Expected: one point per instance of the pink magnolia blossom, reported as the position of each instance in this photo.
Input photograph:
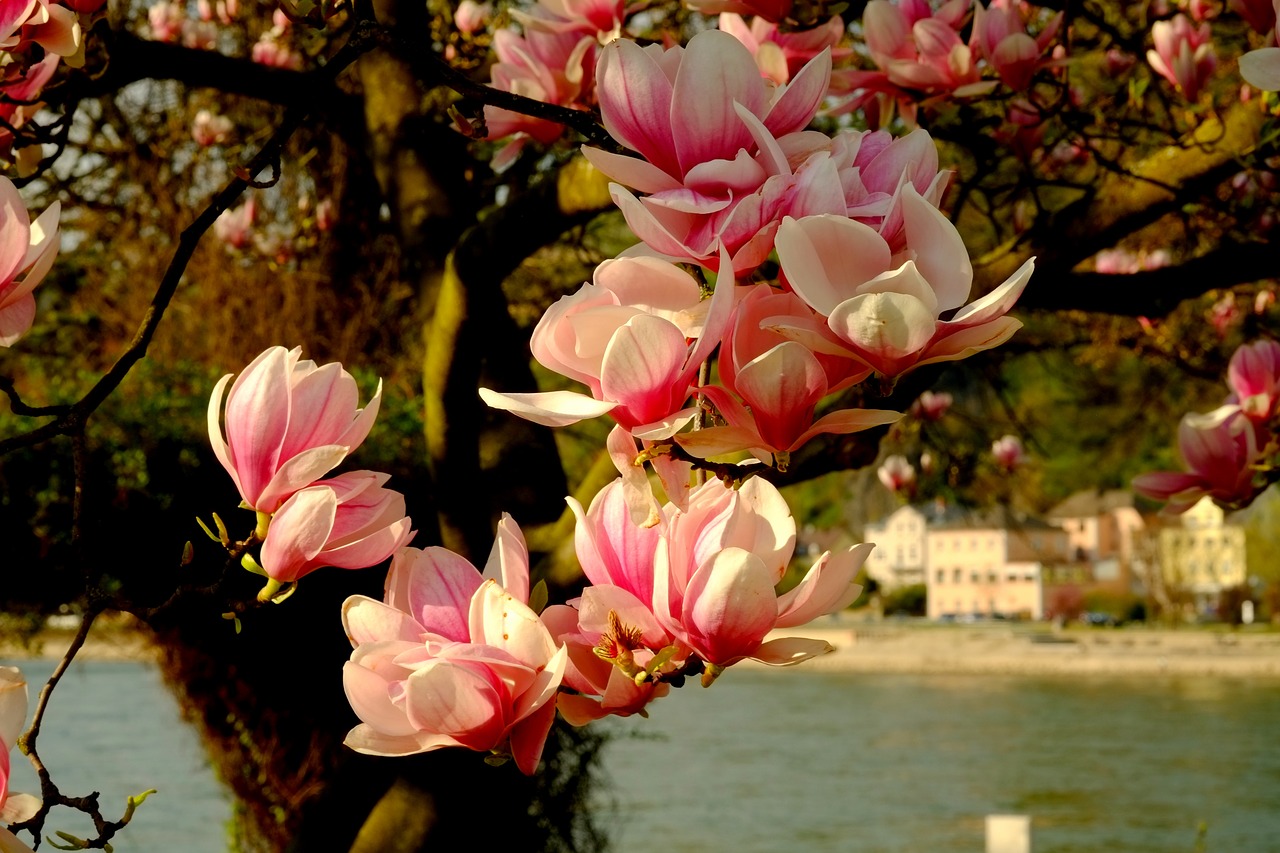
(607, 636)
(545, 65)
(885, 307)
(350, 522)
(288, 423)
(611, 632)
(14, 808)
(780, 55)
(1224, 314)
(209, 129)
(1254, 377)
(716, 569)
(782, 382)
(931, 406)
(52, 26)
(166, 19)
(271, 50)
(1000, 37)
(708, 127)
(599, 19)
(234, 225)
(1183, 54)
(27, 252)
(1008, 452)
(471, 17)
(626, 337)
(920, 49)
(897, 475)
(873, 170)
(1220, 449)
(452, 658)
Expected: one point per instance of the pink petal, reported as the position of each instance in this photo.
(509, 559)
(635, 103)
(729, 606)
(715, 72)
(788, 651)
(549, 408)
(826, 257)
(367, 692)
(641, 175)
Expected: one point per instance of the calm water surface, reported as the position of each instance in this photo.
(113, 727)
(796, 761)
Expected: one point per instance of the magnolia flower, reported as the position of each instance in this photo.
(27, 251)
(599, 19)
(782, 382)
(716, 568)
(1220, 449)
(234, 225)
(708, 127)
(780, 55)
(452, 657)
(897, 475)
(288, 423)
(470, 16)
(1254, 377)
(350, 522)
(209, 129)
(1183, 54)
(930, 406)
(626, 337)
(1008, 452)
(166, 19)
(1000, 37)
(921, 49)
(886, 308)
(552, 67)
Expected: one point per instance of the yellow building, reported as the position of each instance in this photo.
(1203, 556)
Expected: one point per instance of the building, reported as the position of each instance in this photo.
(1100, 525)
(990, 564)
(1201, 557)
(898, 558)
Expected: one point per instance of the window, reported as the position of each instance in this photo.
(940, 576)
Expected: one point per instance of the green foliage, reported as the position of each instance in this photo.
(909, 601)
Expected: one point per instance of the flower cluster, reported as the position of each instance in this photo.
(874, 277)
(288, 423)
(456, 657)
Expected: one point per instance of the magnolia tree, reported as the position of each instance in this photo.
(829, 204)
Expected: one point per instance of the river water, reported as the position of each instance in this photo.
(798, 761)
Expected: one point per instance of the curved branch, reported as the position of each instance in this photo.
(1122, 204)
(1152, 293)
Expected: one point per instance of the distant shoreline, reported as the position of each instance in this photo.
(888, 647)
(883, 647)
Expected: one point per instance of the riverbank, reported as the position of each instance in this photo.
(1014, 649)
(114, 637)
(886, 647)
